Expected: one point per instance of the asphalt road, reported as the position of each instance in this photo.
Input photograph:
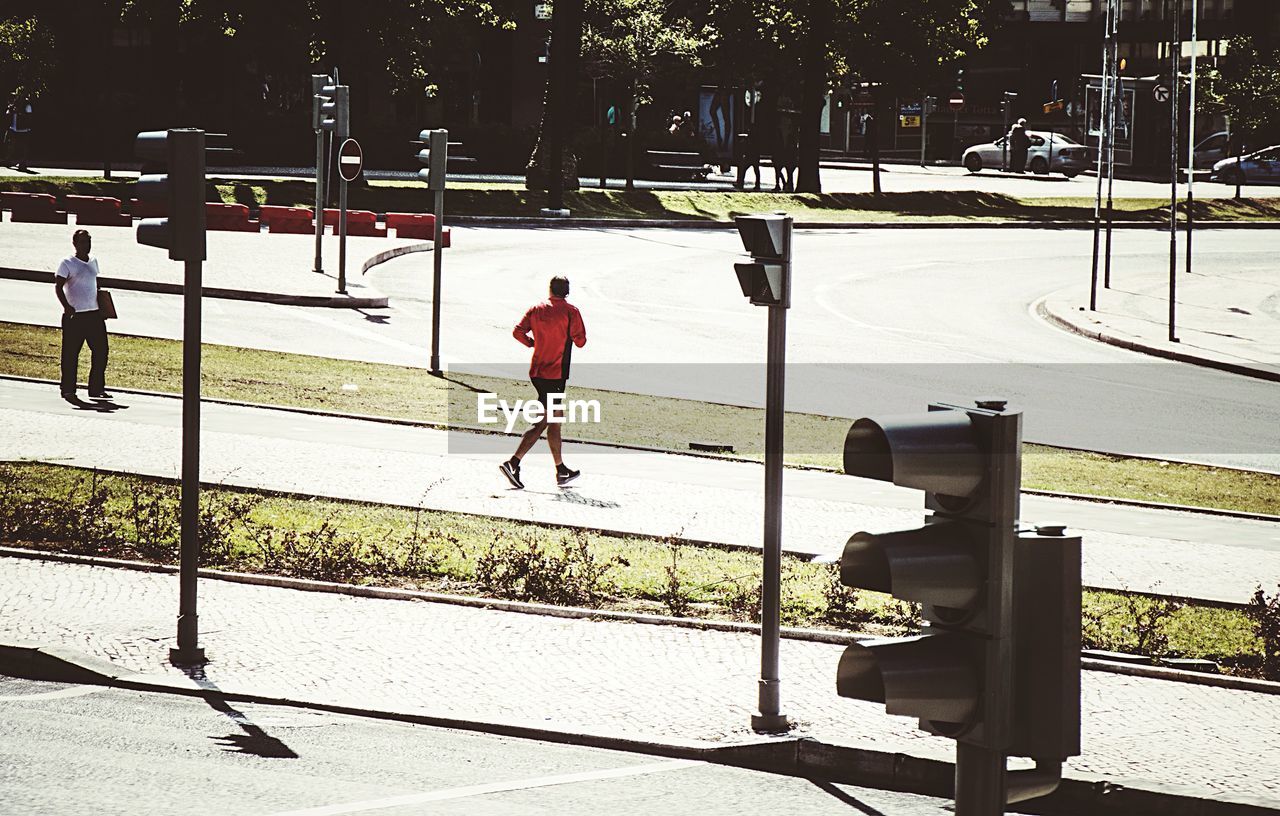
(86, 749)
(882, 321)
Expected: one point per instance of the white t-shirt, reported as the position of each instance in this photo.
(82, 283)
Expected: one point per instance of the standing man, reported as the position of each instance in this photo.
(19, 127)
(1019, 144)
(76, 285)
(557, 327)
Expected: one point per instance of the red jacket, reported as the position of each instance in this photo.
(557, 327)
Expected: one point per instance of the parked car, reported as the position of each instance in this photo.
(1211, 150)
(1069, 157)
(1259, 167)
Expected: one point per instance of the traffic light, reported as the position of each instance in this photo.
(767, 279)
(180, 192)
(1007, 100)
(959, 79)
(996, 667)
(335, 110)
(318, 98)
(434, 157)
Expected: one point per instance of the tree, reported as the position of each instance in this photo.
(26, 55)
(1246, 87)
(636, 42)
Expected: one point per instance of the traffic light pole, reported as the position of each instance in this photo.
(188, 650)
(319, 264)
(770, 716)
(438, 252)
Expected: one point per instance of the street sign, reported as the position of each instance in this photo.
(909, 121)
(1056, 105)
(350, 160)
(1161, 93)
(542, 11)
(956, 101)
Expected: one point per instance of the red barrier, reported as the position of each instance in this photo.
(93, 210)
(359, 222)
(230, 217)
(39, 208)
(148, 208)
(292, 220)
(417, 225)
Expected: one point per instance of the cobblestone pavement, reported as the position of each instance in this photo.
(591, 677)
(657, 494)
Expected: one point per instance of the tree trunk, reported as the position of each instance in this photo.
(813, 94)
(553, 132)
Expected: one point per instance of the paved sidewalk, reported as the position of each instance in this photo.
(659, 683)
(1227, 321)
(651, 493)
(253, 263)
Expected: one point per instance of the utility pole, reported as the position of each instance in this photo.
(1175, 47)
(1105, 135)
(1191, 134)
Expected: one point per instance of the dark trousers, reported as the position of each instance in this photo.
(1018, 161)
(78, 329)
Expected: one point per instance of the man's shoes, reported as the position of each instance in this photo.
(70, 397)
(564, 475)
(511, 470)
(99, 395)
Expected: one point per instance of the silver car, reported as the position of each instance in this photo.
(1260, 167)
(1069, 157)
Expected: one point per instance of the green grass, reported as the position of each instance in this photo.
(52, 507)
(473, 198)
(316, 382)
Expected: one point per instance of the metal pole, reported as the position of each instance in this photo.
(1103, 108)
(188, 649)
(438, 252)
(924, 126)
(1191, 135)
(319, 263)
(1117, 101)
(1174, 48)
(342, 235)
(770, 717)
(980, 781)
(1004, 147)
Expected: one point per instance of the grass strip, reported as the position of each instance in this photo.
(477, 198)
(62, 508)
(321, 383)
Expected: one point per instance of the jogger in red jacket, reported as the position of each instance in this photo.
(551, 328)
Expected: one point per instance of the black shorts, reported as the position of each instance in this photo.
(546, 387)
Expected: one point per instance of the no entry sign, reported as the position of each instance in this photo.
(350, 160)
(956, 101)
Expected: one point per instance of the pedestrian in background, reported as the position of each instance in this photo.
(556, 327)
(18, 130)
(76, 285)
(1019, 144)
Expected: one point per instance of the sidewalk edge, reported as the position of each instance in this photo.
(1061, 321)
(162, 288)
(792, 756)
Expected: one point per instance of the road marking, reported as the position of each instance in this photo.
(493, 787)
(74, 691)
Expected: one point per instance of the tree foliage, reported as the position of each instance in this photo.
(637, 41)
(26, 56)
(1246, 86)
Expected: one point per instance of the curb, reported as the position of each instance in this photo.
(158, 287)
(687, 223)
(580, 613)
(1042, 309)
(792, 756)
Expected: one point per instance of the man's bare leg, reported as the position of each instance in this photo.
(553, 442)
(530, 438)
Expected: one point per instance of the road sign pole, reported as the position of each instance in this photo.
(1191, 136)
(924, 127)
(319, 264)
(438, 252)
(188, 650)
(342, 237)
(980, 781)
(1175, 47)
(1117, 101)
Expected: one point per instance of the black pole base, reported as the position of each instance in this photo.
(189, 656)
(770, 723)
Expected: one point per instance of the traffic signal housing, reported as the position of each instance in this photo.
(180, 192)
(318, 97)
(766, 281)
(335, 111)
(997, 665)
(434, 158)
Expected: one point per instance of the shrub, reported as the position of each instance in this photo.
(1264, 613)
